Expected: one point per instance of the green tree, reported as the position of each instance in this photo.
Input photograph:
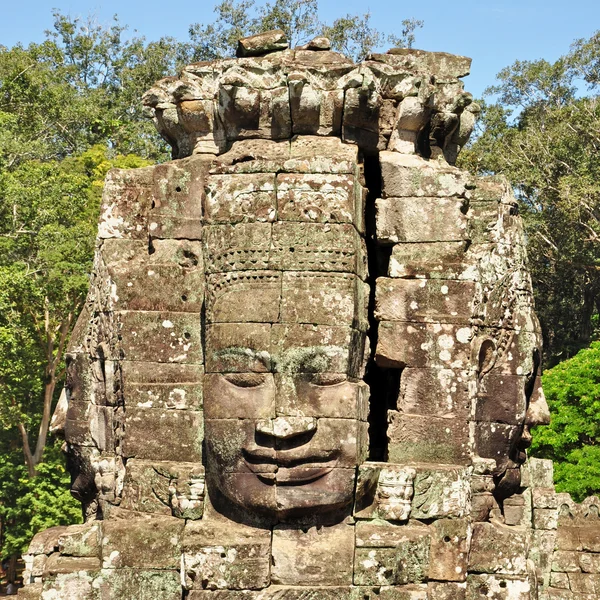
(352, 35)
(572, 440)
(543, 132)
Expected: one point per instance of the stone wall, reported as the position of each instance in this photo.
(309, 359)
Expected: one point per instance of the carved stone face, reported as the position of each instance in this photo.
(510, 398)
(285, 413)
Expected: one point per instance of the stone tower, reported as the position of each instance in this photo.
(309, 358)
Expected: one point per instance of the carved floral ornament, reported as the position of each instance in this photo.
(309, 359)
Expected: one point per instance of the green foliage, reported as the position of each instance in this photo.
(543, 133)
(29, 505)
(352, 35)
(572, 440)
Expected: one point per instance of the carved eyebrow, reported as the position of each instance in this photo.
(247, 353)
(314, 359)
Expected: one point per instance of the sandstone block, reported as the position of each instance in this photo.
(420, 438)
(175, 336)
(236, 198)
(138, 584)
(324, 299)
(147, 430)
(247, 112)
(178, 188)
(497, 587)
(241, 247)
(81, 540)
(77, 585)
(440, 492)
(495, 440)
(238, 348)
(32, 591)
(225, 555)
(162, 385)
(499, 549)
(432, 260)
(406, 176)
(314, 111)
(437, 590)
(244, 296)
(142, 543)
(46, 541)
(322, 556)
(169, 279)
(317, 247)
(418, 220)
(564, 561)
(423, 345)
(126, 201)
(388, 555)
(545, 518)
(449, 551)
(427, 300)
(59, 565)
(384, 491)
(262, 43)
(439, 392)
(361, 114)
(501, 399)
(319, 198)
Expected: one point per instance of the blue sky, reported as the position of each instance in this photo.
(494, 33)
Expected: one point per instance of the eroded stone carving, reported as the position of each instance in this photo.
(309, 359)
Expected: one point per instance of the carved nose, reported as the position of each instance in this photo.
(538, 412)
(286, 427)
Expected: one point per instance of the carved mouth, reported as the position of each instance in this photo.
(285, 469)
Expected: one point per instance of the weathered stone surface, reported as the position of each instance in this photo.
(432, 260)
(142, 543)
(224, 555)
(322, 556)
(81, 540)
(162, 385)
(46, 541)
(175, 337)
(324, 299)
(262, 43)
(387, 555)
(423, 345)
(384, 491)
(414, 438)
(427, 300)
(236, 198)
(449, 551)
(318, 198)
(171, 278)
(440, 492)
(60, 565)
(497, 587)
(126, 203)
(415, 220)
(406, 176)
(439, 392)
(488, 538)
(244, 296)
(146, 430)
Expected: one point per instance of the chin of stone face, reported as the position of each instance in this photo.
(309, 360)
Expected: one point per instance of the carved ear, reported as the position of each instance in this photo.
(487, 357)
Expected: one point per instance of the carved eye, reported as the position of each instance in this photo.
(328, 378)
(245, 380)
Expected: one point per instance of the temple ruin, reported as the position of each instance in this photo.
(309, 359)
